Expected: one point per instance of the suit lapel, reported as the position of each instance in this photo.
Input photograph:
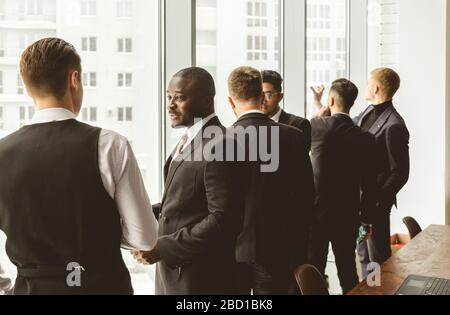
(167, 166)
(381, 121)
(190, 152)
(283, 117)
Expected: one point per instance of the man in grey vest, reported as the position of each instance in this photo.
(71, 195)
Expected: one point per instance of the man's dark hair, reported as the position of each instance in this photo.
(201, 77)
(345, 93)
(273, 78)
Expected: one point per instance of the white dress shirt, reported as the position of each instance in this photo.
(252, 111)
(276, 117)
(123, 181)
(193, 131)
(5, 283)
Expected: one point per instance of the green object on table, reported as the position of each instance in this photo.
(364, 231)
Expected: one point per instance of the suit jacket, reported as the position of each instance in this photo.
(199, 223)
(299, 123)
(278, 205)
(344, 173)
(392, 154)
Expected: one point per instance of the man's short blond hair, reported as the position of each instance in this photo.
(245, 83)
(388, 79)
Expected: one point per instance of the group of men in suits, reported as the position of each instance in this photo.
(224, 225)
(292, 215)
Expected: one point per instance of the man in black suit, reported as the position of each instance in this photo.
(392, 159)
(199, 217)
(278, 201)
(273, 92)
(345, 183)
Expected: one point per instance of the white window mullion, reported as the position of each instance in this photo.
(294, 63)
(358, 53)
(179, 43)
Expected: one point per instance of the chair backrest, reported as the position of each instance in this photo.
(413, 227)
(310, 281)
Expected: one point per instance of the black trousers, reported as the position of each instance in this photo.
(343, 241)
(257, 279)
(378, 248)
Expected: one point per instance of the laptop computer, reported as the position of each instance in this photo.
(420, 285)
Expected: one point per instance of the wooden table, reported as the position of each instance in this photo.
(428, 254)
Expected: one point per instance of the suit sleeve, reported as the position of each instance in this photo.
(368, 180)
(305, 199)
(305, 126)
(222, 221)
(397, 144)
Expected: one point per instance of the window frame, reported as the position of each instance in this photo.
(2, 117)
(89, 45)
(123, 4)
(88, 3)
(87, 78)
(87, 112)
(125, 114)
(2, 82)
(122, 45)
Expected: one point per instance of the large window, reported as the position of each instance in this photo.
(118, 42)
(250, 37)
(100, 70)
(326, 44)
(383, 34)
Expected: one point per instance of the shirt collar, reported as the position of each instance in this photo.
(253, 111)
(192, 132)
(382, 107)
(345, 114)
(276, 117)
(51, 114)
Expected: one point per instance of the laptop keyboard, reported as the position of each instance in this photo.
(437, 287)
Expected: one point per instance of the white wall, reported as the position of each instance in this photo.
(422, 100)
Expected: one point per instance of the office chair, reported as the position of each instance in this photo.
(310, 281)
(413, 227)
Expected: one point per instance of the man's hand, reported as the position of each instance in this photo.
(324, 112)
(318, 94)
(147, 257)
